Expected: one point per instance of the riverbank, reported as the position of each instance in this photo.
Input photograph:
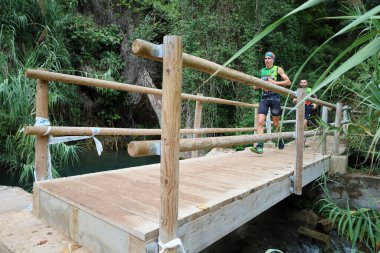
(22, 232)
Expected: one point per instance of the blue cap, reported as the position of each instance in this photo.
(270, 54)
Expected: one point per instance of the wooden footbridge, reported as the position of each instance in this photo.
(175, 205)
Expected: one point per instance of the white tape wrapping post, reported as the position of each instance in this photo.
(171, 245)
(43, 122)
(55, 140)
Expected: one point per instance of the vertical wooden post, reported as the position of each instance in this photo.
(197, 122)
(171, 118)
(41, 145)
(338, 123)
(325, 118)
(300, 117)
(268, 124)
(256, 119)
(346, 114)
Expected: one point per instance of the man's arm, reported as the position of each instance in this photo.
(285, 79)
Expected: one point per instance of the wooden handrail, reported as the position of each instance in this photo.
(93, 82)
(87, 131)
(146, 49)
(148, 148)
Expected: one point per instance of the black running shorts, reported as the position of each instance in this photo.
(273, 102)
(308, 111)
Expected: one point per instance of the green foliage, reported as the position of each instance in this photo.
(90, 42)
(149, 29)
(370, 170)
(360, 226)
(29, 38)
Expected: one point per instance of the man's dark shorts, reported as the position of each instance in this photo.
(308, 111)
(273, 102)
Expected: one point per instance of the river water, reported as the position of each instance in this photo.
(90, 162)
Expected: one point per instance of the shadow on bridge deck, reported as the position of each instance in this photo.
(117, 211)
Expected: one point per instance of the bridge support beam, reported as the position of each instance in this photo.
(338, 164)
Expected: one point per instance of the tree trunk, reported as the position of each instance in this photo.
(145, 80)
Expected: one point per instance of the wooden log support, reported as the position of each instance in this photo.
(327, 225)
(84, 131)
(325, 116)
(146, 49)
(338, 123)
(92, 82)
(313, 234)
(148, 148)
(171, 119)
(300, 117)
(346, 114)
(197, 122)
(256, 118)
(41, 146)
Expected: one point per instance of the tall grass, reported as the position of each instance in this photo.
(361, 226)
(29, 38)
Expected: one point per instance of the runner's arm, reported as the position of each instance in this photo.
(285, 79)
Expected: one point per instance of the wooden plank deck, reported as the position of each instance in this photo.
(217, 194)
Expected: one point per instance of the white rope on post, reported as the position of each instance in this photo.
(55, 140)
(40, 121)
(95, 131)
(171, 245)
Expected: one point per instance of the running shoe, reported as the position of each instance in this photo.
(257, 150)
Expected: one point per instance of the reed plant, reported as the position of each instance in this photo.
(360, 226)
(29, 38)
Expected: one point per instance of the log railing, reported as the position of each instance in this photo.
(86, 131)
(85, 81)
(170, 53)
(148, 50)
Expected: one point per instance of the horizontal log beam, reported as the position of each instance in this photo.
(146, 50)
(291, 121)
(86, 131)
(93, 82)
(148, 148)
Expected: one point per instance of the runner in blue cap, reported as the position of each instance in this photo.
(270, 99)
